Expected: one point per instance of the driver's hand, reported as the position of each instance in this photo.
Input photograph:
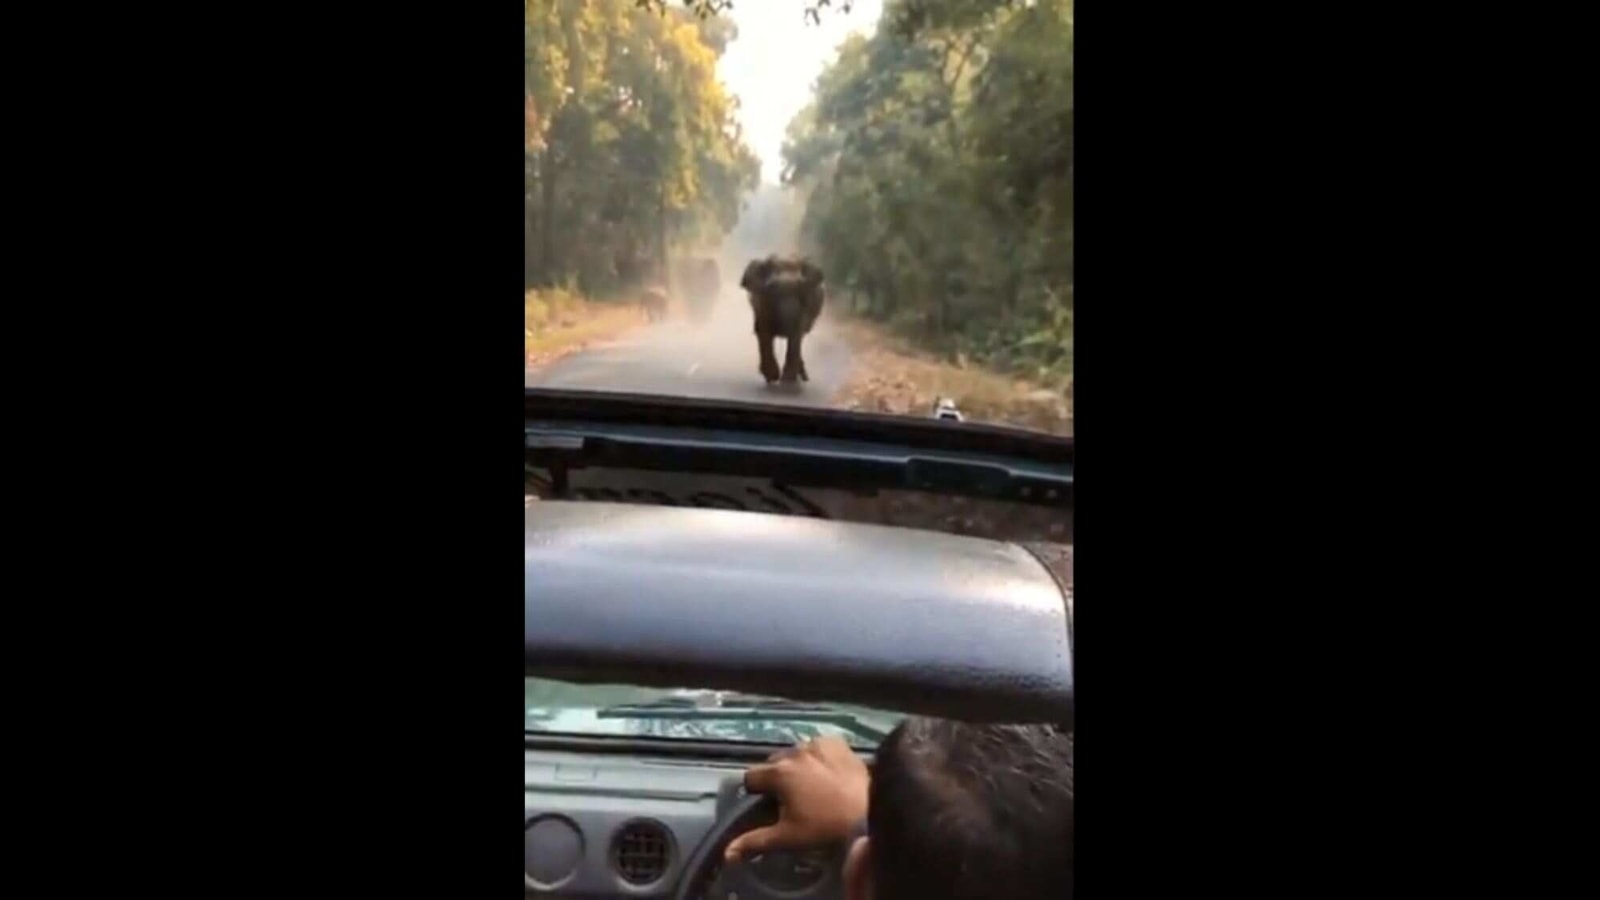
(821, 788)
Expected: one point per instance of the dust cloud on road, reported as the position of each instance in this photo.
(717, 359)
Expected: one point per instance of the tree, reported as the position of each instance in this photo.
(936, 160)
(631, 142)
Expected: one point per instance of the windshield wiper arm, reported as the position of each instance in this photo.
(753, 701)
(658, 704)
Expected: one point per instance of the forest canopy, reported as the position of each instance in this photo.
(632, 146)
(936, 167)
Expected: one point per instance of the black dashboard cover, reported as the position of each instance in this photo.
(550, 406)
(803, 608)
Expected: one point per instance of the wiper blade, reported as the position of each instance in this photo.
(753, 701)
(662, 703)
(1037, 473)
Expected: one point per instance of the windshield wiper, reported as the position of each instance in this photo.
(661, 703)
(737, 708)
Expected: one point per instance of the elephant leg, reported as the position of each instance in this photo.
(793, 365)
(769, 360)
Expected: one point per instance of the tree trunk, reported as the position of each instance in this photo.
(661, 236)
(547, 213)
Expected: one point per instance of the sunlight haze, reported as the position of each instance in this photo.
(777, 56)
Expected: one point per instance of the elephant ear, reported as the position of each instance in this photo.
(756, 274)
(812, 273)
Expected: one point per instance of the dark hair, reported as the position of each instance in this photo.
(972, 812)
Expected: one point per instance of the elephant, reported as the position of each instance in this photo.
(786, 297)
(702, 281)
(653, 301)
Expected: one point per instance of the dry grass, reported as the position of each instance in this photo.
(558, 322)
(890, 376)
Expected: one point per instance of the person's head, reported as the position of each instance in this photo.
(967, 811)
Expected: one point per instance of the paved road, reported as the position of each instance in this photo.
(716, 360)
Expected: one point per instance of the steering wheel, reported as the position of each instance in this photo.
(747, 812)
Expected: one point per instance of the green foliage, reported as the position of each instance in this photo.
(936, 161)
(631, 143)
(548, 307)
(706, 9)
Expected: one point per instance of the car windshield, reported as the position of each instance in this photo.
(858, 204)
(614, 710)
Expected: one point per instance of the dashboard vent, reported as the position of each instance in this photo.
(640, 852)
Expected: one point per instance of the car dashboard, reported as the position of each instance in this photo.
(623, 826)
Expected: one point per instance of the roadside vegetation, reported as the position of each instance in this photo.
(557, 322)
(890, 374)
(934, 168)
